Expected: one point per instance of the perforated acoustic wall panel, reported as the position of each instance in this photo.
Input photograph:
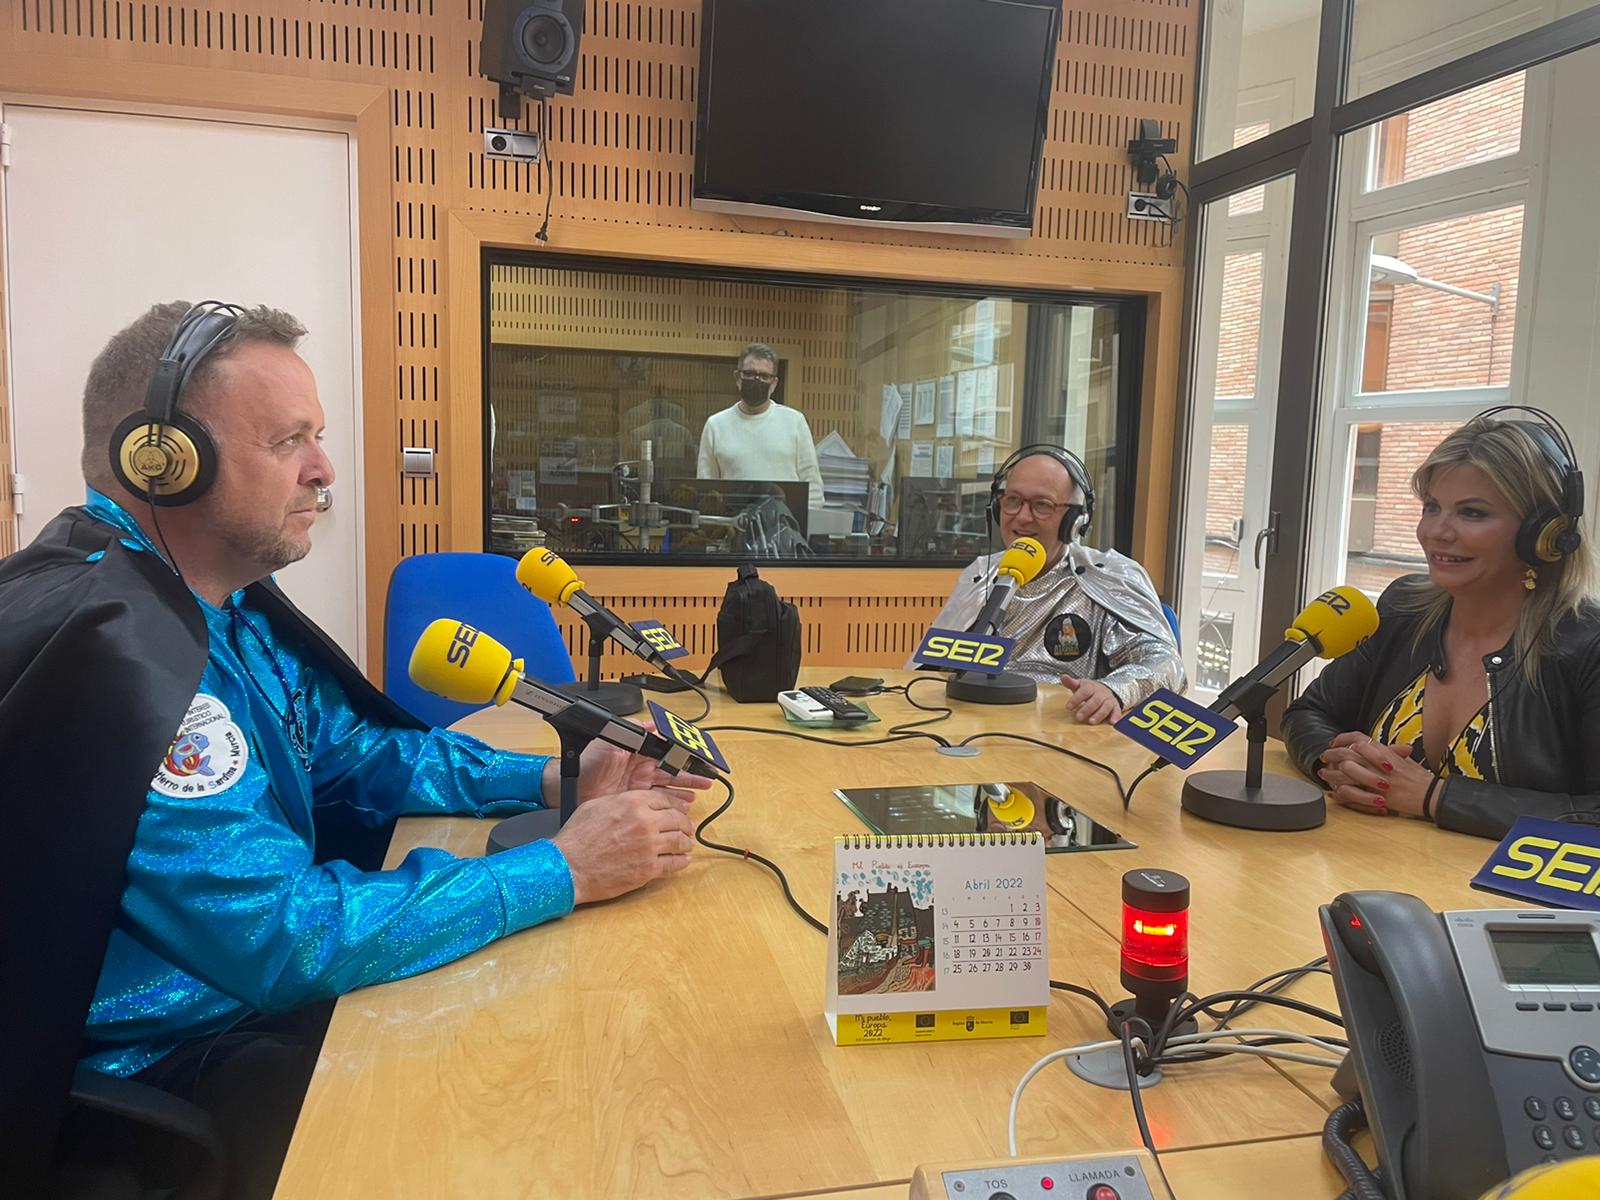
(622, 149)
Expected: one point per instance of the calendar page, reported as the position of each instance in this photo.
(938, 936)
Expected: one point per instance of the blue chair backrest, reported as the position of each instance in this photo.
(482, 590)
(1172, 619)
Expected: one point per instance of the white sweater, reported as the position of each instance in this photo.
(774, 444)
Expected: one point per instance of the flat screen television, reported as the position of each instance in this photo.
(922, 114)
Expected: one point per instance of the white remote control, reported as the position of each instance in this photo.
(802, 707)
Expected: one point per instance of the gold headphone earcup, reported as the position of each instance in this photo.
(1547, 546)
(169, 466)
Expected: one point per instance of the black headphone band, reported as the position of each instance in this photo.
(1555, 443)
(1074, 465)
(203, 328)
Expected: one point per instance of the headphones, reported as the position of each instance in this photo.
(161, 453)
(1075, 520)
(1549, 534)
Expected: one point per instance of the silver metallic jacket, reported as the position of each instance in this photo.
(1094, 615)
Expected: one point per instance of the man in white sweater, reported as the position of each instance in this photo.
(757, 439)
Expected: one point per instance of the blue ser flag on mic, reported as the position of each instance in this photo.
(1553, 863)
(1178, 729)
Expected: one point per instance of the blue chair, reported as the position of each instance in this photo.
(1172, 619)
(482, 590)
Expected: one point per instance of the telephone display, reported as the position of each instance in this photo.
(1546, 957)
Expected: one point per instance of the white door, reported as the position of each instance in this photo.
(108, 213)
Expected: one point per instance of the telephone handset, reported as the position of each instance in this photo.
(1473, 1037)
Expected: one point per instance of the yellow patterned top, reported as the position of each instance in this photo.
(1471, 754)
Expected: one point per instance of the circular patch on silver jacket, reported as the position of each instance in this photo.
(1067, 637)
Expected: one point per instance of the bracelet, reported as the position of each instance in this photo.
(1427, 798)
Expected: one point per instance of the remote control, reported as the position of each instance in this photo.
(802, 707)
(841, 708)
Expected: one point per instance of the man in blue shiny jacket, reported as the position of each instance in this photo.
(243, 728)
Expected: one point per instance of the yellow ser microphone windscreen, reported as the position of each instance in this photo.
(548, 576)
(1022, 560)
(460, 663)
(1340, 619)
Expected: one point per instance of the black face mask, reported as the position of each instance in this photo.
(753, 392)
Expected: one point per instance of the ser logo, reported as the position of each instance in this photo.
(688, 735)
(1553, 863)
(461, 643)
(1339, 604)
(963, 651)
(660, 639)
(1177, 729)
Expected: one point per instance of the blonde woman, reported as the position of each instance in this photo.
(1478, 699)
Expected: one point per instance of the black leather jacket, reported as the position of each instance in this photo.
(1546, 739)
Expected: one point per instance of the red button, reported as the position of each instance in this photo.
(1103, 1191)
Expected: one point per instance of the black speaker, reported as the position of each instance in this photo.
(531, 47)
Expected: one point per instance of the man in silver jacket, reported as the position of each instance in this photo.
(1090, 618)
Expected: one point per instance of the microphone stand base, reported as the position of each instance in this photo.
(619, 699)
(977, 688)
(1280, 803)
(523, 828)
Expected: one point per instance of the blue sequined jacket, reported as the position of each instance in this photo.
(226, 912)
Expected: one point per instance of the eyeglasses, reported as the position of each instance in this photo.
(1043, 509)
(757, 376)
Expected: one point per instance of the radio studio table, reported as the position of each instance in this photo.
(671, 1043)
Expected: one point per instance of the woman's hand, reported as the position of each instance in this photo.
(1374, 777)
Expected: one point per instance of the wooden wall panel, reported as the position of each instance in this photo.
(622, 155)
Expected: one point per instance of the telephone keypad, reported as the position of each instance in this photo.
(1534, 1107)
(1543, 1138)
(1573, 1136)
(1591, 1105)
(1565, 1109)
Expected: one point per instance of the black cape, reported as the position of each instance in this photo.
(99, 661)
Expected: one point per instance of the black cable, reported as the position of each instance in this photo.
(1204, 1005)
(1284, 979)
(172, 559)
(1126, 1034)
(1083, 991)
(944, 712)
(699, 836)
(1127, 797)
(822, 741)
(549, 167)
(1084, 758)
(1342, 1124)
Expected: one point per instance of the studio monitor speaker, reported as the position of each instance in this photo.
(531, 46)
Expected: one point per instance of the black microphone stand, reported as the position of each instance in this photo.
(545, 822)
(619, 699)
(1251, 799)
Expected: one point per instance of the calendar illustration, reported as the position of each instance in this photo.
(936, 937)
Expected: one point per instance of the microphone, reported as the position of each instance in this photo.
(454, 660)
(1335, 623)
(1022, 560)
(547, 575)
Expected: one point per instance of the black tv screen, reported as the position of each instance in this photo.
(924, 113)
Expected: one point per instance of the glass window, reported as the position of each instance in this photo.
(628, 415)
(1391, 42)
(1442, 303)
(1381, 512)
(1260, 70)
(1475, 126)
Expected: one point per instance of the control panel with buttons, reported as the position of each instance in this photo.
(1130, 1176)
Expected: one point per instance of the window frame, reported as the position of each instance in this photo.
(1131, 310)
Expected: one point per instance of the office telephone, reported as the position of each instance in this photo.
(1474, 1038)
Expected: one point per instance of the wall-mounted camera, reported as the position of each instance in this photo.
(1148, 154)
(512, 144)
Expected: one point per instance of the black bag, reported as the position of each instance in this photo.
(758, 640)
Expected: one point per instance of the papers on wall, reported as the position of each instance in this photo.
(983, 332)
(944, 461)
(905, 411)
(966, 397)
(890, 421)
(985, 402)
(524, 488)
(922, 459)
(559, 462)
(924, 406)
(986, 459)
(945, 425)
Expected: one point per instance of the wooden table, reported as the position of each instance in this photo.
(671, 1043)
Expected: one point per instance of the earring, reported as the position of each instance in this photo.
(1530, 579)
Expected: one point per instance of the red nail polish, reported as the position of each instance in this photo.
(1388, 766)
(1384, 784)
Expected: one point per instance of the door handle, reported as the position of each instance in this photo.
(1269, 535)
